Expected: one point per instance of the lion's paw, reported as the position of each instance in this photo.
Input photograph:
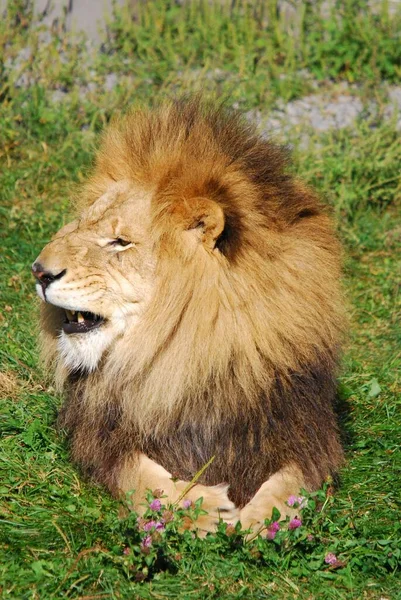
(254, 514)
(273, 493)
(217, 505)
(253, 519)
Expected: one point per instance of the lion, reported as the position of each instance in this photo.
(193, 310)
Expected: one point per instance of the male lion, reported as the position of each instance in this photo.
(193, 310)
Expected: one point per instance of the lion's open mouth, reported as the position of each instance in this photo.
(80, 321)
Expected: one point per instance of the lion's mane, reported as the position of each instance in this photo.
(237, 354)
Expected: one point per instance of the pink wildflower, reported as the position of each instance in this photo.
(187, 503)
(155, 504)
(153, 525)
(272, 530)
(167, 516)
(146, 543)
(127, 551)
(294, 523)
(299, 500)
(330, 559)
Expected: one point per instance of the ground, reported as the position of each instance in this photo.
(331, 91)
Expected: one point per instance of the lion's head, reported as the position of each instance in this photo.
(98, 274)
(198, 277)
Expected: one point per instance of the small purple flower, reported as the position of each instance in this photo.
(187, 503)
(330, 559)
(300, 500)
(153, 525)
(272, 530)
(149, 526)
(294, 523)
(155, 504)
(146, 542)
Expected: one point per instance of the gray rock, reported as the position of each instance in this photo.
(23, 81)
(320, 112)
(111, 81)
(58, 96)
(394, 95)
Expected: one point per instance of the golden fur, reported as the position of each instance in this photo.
(234, 350)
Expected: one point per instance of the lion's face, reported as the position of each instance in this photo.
(97, 273)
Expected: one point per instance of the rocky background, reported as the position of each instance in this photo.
(329, 105)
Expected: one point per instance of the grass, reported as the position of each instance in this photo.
(62, 537)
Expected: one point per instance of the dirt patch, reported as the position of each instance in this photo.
(10, 385)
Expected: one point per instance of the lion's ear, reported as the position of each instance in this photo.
(204, 219)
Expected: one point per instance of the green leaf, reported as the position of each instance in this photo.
(275, 514)
(374, 388)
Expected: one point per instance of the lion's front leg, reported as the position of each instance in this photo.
(141, 474)
(274, 492)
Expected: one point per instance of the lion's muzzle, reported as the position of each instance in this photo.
(76, 321)
(45, 278)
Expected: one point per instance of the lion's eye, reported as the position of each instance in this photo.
(120, 242)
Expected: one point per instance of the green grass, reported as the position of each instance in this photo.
(62, 537)
(250, 50)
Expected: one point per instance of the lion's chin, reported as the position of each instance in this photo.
(83, 351)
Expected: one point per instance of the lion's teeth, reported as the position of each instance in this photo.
(80, 318)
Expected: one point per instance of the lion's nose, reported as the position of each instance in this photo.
(44, 277)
